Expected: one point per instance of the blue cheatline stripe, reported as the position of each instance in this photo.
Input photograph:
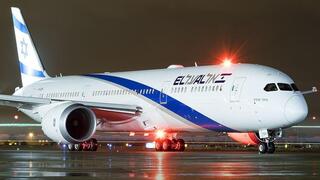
(173, 105)
(31, 72)
(22, 27)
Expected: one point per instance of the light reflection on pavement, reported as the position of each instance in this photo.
(158, 165)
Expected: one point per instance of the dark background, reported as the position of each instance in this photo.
(78, 37)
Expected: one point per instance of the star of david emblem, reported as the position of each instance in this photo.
(24, 48)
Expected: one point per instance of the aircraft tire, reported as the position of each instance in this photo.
(180, 145)
(158, 145)
(166, 145)
(271, 148)
(263, 148)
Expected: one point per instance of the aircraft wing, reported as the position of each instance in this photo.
(20, 101)
(29, 102)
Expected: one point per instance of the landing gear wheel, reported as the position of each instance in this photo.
(158, 145)
(180, 145)
(70, 147)
(78, 147)
(263, 148)
(85, 145)
(166, 145)
(93, 144)
(271, 148)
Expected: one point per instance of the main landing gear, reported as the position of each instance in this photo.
(267, 138)
(169, 145)
(90, 145)
(168, 142)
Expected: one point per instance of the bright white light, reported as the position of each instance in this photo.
(314, 118)
(227, 62)
(150, 145)
(132, 134)
(31, 135)
(160, 134)
(16, 117)
(128, 145)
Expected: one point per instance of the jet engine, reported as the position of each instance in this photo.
(69, 123)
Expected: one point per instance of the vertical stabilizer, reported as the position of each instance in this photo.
(31, 68)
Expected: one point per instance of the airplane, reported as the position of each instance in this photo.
(247, 100)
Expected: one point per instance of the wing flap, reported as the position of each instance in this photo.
(112, 107)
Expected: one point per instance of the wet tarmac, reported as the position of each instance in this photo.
(158, 165)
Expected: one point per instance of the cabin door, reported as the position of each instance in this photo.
(164, 92)
(236, 89)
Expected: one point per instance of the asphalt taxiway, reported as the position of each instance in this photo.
(157, 165)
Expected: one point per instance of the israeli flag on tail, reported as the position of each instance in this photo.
(31, 68)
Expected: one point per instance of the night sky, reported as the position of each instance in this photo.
(79, 37)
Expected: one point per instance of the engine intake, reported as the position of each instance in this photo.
(69, 123)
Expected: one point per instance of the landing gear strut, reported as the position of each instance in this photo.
(90, 145)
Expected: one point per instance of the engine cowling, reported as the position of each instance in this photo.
(69, 123)
(249, 138)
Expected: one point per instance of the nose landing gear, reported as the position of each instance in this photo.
(266, 148)
(267, 138)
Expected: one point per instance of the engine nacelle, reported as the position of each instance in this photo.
(69, 123)
(249, 138)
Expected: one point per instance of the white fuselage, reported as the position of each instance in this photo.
(195, 99)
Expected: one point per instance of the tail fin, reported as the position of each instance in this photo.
(31, 68)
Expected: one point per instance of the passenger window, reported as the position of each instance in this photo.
(271, 87)
(294, 87)
(284, 87)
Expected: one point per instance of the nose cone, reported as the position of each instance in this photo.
(296, 109)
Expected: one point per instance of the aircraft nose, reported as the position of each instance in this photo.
(296, 109)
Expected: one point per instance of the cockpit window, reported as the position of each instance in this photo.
(284, 87)
(294, 87)
(271, 87)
